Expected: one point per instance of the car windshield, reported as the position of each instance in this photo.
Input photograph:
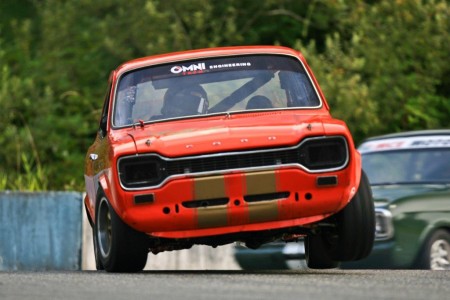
(211, 86)
(407, 166)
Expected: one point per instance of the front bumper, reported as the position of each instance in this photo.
(239, 202)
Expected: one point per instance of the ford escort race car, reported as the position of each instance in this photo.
(221, 145)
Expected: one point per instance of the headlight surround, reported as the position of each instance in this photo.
(323, 153)
(135, 172)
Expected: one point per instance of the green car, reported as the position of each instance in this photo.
(410, 178)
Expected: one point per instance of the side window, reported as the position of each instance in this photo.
(104, 117)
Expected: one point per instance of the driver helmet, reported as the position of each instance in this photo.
(185, 101)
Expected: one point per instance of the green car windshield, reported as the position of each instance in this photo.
(407, 166)
(213, 86)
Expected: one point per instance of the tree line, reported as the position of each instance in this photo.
(384, 65)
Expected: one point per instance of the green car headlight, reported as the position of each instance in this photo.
(384, 228)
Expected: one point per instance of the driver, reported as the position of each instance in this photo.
(185, 101)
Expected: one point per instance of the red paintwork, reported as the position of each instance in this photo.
(262, 129)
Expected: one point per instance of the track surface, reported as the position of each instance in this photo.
(216, 285)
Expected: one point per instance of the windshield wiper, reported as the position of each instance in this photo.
(140, 123)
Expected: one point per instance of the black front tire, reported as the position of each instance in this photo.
(98, 263)
(118, 247)
(353, 234)
(317, 253)
(356, 225)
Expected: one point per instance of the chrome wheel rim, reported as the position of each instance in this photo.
(104, 228)
(440, 255)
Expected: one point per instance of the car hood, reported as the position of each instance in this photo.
(227, 133)
(400, 194)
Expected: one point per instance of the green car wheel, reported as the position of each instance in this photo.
(436, 252)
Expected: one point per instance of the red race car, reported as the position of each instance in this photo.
(221, 145)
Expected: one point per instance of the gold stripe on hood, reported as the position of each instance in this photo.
(261, 183)
(258, 184)
(211, 188)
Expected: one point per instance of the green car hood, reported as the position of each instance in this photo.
(412, 197)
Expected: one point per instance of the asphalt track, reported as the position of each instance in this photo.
(293, 284)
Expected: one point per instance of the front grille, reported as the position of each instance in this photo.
(312, 154)
(230, 162)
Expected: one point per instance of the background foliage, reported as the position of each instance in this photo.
(383, 65)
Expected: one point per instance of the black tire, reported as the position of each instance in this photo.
(118, 247)
(435, 254)
(98, 263)
(356, 225)
(317, 254)
(352, 237)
